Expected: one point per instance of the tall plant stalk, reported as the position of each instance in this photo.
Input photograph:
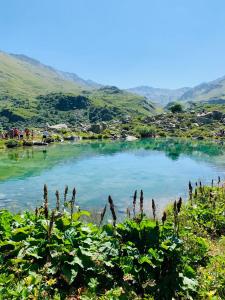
(112, 208)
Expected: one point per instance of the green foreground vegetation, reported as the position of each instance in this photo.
(61, 254)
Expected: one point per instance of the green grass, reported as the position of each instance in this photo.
(24, 80)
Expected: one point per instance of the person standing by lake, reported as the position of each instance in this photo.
(21, 135)
(32, 134)
(27, 133)
(45, 135)
(15, 133)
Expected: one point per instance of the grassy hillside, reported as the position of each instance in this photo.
(29, 92)
(19, 78)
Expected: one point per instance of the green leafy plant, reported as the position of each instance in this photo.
(58, 254)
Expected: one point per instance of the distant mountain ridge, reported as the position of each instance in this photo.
(213, 91)
(206, 91)
(159, 95)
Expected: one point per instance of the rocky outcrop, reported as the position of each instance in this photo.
(98, 128)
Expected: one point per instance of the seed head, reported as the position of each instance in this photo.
(46, 201)
(141, 201)
(134, 201)
(153, 209)
(57, 200)
(103, 214)
(164, 217)
(65, 193)
(179, 203)
(112, 209)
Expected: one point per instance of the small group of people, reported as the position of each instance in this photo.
(16, 133)
(25, 134)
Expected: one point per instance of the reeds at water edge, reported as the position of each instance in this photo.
(153, 209)
(36, 214)
(73, 202)
(57, 200)
(176, 210)
(198, 190)
(112, 208)
(142, 203)
(134, 202)
(190, 191)
(102, 215)
(179, 204)
(46, 201)
(219, 180)
(65, 194)
(164, 217)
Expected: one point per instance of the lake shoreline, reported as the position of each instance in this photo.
(99, 168)
(12, 143)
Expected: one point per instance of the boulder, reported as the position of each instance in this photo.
(104, 125)
(204, 118)
(71, 138)
(12, 144)
(217, 115)
(28, 143)
(40, 143)
(57, 126)
(96, 128)
(131, 138)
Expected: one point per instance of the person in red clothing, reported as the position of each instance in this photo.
(27, 133)
(16, 132)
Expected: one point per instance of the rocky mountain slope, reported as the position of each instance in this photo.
(158, 95)
(207, 91)
(211, 92)
(32, 93)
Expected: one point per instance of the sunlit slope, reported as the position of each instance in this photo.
(19, 78)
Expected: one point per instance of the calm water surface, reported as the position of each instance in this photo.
(162, 168)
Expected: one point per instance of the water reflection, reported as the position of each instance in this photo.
(37, 159)
(162, 168)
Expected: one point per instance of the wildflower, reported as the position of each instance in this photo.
(153, 209)
(134, 201)
(164, 217)
(112, 210)
(103, 214)
(141, 202)
(46, 201)
(57, 200)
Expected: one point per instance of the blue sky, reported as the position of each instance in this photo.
(161, 43)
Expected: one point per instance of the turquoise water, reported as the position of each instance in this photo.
(162, 168)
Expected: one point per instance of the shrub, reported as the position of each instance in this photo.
(145, 131)
(176, 108)
(12, 143)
